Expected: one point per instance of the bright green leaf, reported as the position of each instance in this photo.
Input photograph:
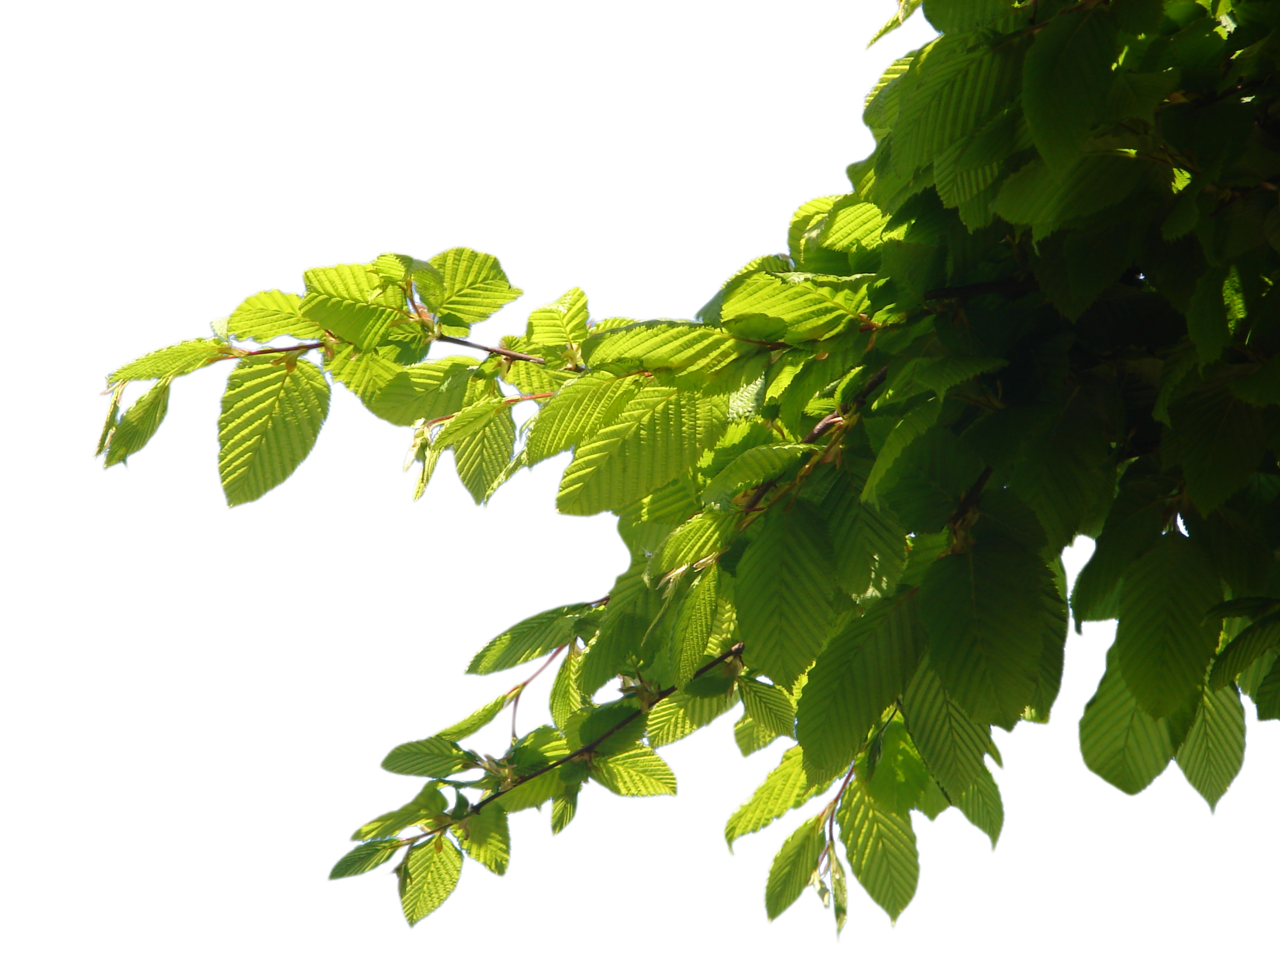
(433, 757)
(428, 877)
(793, 867)
(272, 412)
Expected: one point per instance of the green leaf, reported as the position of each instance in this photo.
(483, 455)
(884, 98)
(474, 287)
(351, 301)
(1267, 697)
(533, 754)
(430, 457)
(427, 806)
(785, 788)
(693, 627)
(628, 620)
(948, 94)
(428, 877)
(606, 730)
(900, 778)
(663, 346)
(806, 223)
(1213, 751)
(852, 224)
(579, 410)
(982, 613)
(561, 322)
(174, 361)
(769, 706)
(433, 757)
(785, 594)
(1045, 199)
(270, 314)
(793, 867)
(864, 669)
(904, 432)
(752, 467)
(905, 9)
(1066, 78)
(364, 373)
(680, 715)
(937, 374)
(1163, 645)
(138, 425)
(710, 311)
(1262, 386)
(1249, 607)
(954, 16)
(486, 838)
(981, 804)
(271, 415)
(477, 721)
(1066, 476)
(951, 744)
(869, 546)
(1120, 741)
(806, 308)
(1247, 646)
(566, 693)
(563, 810)
(366, 857)
(882, 850)
(1208, 323)
(696, 541)
(637, 772)
(1221, 440)
(529, 638)
(658, 435)
(112, 421)
(1130, 529)
(427, 391)
(927, 481)
(750, 736)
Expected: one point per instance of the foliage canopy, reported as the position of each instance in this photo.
(1047, 308)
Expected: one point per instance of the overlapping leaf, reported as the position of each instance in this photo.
(1163, 644)
(785, 594)
(864, 669)
(659, 434)
(882, 850)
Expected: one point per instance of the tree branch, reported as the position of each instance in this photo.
(735, 650)
(822, 426)
(971, 496)
(499, 351)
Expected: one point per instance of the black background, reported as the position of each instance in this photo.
(274, 653)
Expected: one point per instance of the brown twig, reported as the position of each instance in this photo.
(734, 651)
(499, 351)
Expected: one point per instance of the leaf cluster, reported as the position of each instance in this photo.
(1047, 308)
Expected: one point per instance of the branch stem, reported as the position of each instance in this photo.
(498, 351)
(518, 689)
(735, 650)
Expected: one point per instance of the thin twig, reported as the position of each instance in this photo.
(499, 351)
(735, 650)
(519, 688)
